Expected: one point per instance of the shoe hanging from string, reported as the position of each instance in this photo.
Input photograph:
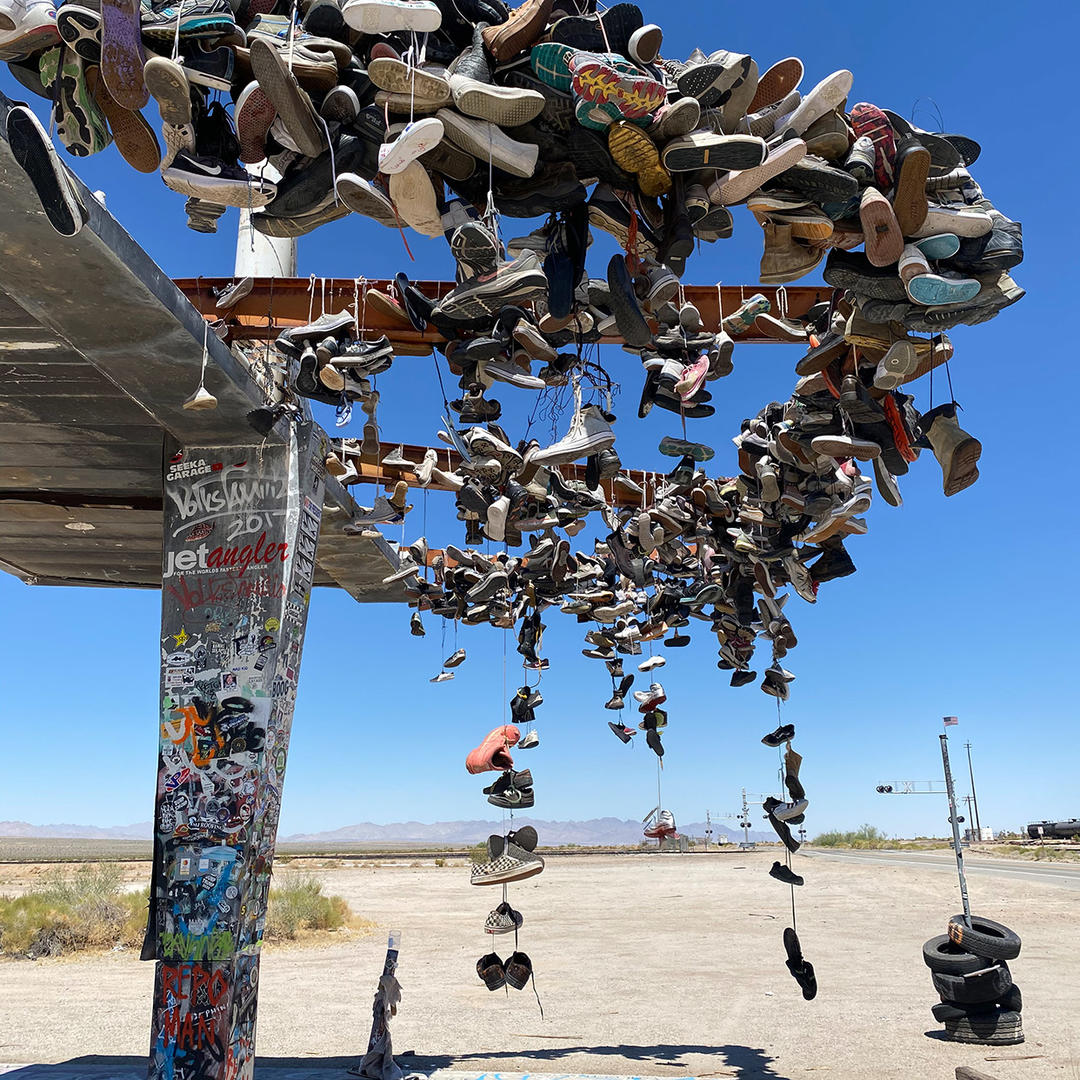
(202, 399)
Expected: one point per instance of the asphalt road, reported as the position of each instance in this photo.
(1066, 874)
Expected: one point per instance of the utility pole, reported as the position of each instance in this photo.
(954, 818)
(974, 797)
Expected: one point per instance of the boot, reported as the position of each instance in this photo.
(792, 761)
(957, 451)
(784, 259)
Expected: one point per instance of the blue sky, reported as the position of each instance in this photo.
(960, 606)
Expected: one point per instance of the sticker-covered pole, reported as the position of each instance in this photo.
(241, 527)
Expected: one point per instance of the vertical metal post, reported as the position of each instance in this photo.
(241, 527)
(955, 825)
(974, 797)
(262, 256)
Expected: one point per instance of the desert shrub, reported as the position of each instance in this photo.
(73, 912)
(866, 837)
(301, 904)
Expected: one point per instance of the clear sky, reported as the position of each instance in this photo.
(960, 606)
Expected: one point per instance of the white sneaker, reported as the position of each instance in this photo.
(416, 138)
(651, 663)
(384, 16)
(589, 434)
(26, 27)
(487, 142)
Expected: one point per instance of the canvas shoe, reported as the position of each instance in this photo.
(506, 862)
(869, 120)
(707, 150)
(884, 240)
(733, 187)
(34, 152)
(778, 81)
(506, 106)
(413, 194)
(823, 98)
(487, 142)
(503, 920)
(387, 16)
(416, 138)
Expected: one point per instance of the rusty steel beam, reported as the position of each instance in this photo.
(274, 304)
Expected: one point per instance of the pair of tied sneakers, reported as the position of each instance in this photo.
(497, 973)
(510, 858)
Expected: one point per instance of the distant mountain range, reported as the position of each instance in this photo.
(592, 833)
(597, 832)
(142, 830)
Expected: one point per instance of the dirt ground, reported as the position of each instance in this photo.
(649, 965)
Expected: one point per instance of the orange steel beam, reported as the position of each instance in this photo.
(274, 304)
(372, 471)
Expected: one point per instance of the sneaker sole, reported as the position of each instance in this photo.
(635, 96)
(884, 242)
(712, 84)
(504, 109)
(729, 153)
(744, 184)
(81, 30)
(122, 56)
(168, 86)
(293, 105)
(397, 78)
(36, 156)
(884, 287)
(253, 116)
(634, 151)
(218, 189)
(375, 19)
(617, 229)
(775, 85)
(909, 199)
(30, 43)
(931, 290)
(134, 137)
(519, 159)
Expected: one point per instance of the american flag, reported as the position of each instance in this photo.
(950, 721)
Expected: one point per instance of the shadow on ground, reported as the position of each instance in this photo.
(738, 1062)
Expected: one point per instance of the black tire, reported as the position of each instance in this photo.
(1010, 1001)
(943, 955)
(1003, 1028)
(985, 937)
(982, 986)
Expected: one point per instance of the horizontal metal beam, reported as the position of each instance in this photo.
(274, 304)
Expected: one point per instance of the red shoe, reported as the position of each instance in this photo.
(493, 754)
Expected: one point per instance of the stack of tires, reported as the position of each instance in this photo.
(980, 1003)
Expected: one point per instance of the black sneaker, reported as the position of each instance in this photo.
(785, 874)
(212, 68)
(744, 678)
(781, 830)
(781, 735)
(801, 969)
(36, 156)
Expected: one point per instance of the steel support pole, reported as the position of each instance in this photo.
(974, 797)
(953, 818)
(241, 526)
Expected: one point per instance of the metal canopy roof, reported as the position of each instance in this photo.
(98, 350)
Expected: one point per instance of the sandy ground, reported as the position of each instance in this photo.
(659, 965)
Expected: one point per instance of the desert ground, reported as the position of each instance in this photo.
(668, 965)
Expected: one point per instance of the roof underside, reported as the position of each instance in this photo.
(98, 349)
